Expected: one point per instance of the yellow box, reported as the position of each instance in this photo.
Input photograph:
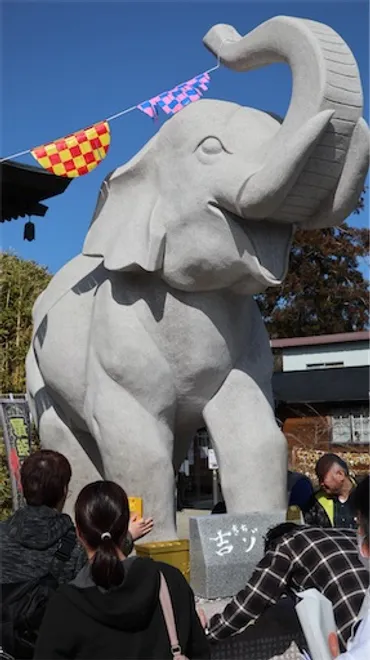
(136, 505)
(175, 553)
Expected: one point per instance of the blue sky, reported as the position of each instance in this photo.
(69, 64)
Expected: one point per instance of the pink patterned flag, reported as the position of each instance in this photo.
(177, 98)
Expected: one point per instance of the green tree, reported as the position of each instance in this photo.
(325, 291)
(21, 281)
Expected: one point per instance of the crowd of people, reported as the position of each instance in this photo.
(77, 591)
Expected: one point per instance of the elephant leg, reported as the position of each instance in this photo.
(250, 448)
(56, 435)
(137, 450)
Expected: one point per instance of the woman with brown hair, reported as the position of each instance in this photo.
(113, 609)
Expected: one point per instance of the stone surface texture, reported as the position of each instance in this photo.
(152, 332)
(225, 549)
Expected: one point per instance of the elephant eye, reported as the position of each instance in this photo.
(211, 145)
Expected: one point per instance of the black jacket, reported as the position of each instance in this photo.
(315, 515)
(319, 511)
(84, 621)
(29, 540)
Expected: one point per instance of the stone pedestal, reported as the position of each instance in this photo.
(225, 549)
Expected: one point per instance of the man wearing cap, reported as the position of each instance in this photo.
(329, 506)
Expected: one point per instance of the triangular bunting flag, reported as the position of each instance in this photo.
(75, 154)
(177, 98)
(150, 107)
(201, 81)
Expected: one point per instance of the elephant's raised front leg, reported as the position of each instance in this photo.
(250, 448)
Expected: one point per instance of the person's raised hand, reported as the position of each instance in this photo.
(139, 527)
(333, 645)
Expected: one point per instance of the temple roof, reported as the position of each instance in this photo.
(24, 187)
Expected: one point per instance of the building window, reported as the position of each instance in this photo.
(351, 426)
(324, 365)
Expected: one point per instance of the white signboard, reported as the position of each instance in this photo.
(212, 460)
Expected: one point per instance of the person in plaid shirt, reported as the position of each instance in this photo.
(298, 558)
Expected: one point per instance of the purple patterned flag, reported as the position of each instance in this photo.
(177, 98)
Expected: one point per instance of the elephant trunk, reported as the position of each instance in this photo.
(325, 108)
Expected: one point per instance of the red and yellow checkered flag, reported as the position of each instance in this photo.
(76, 154)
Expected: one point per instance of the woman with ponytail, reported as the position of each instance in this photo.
(112, 609)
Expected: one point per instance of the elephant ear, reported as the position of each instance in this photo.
(126, 229)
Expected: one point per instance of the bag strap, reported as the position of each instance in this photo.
(66, 545)
(63, 552)
(167, 609)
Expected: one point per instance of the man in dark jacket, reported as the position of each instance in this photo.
(30, 538)
(329, 506)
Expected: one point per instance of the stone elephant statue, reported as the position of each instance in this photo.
(153, 331)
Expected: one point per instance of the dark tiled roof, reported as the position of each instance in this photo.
(24, 187)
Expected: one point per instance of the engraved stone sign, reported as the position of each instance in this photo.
(225, 549)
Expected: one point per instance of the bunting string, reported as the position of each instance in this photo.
(80, 152)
